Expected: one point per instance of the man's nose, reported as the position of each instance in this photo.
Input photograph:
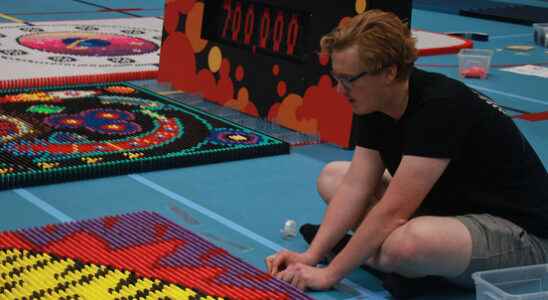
(341, 89)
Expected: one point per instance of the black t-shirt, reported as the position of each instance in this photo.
(493, 168)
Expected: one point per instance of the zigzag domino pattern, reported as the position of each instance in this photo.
(151, 247)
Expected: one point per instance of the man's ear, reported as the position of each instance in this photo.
(390, 73)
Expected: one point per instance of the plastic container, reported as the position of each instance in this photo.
(518, 283)
(474, 63)
(540, 31)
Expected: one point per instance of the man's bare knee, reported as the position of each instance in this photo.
(401, 247)
(330, 178)
(422, 247)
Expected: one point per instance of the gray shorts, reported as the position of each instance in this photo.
(499, 243)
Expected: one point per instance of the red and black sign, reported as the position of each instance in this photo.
(262, 57)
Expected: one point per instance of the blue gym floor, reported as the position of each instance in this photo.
(242, 205)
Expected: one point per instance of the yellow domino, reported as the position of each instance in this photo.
(40, 272)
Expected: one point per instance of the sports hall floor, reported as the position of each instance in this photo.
(242, 205)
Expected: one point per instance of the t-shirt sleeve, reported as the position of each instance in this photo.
(371, 130)
(437, 130)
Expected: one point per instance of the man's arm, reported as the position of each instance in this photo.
(413, 180)
(350, 202)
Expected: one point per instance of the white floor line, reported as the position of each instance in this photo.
(43, 205)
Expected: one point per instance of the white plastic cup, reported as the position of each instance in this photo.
(289, 230)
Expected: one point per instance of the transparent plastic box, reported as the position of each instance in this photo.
(518, 283)
(540, 31)
(474, 63)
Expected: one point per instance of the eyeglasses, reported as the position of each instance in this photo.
(346, 82)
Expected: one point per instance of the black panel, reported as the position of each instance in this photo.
(258, 26)
(402, 8)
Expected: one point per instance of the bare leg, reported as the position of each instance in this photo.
(331, 177)
(423, 246)
(426, 246)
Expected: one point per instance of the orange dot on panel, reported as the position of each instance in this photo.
(241, 100)
(215, 59)
(361, 6)
(282, 88)
(243, 94)
(239, 73)
(194, 27)
(276, 70)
